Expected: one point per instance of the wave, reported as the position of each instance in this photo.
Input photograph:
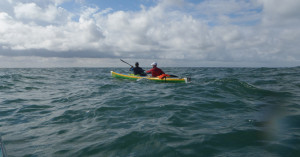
(86, 112)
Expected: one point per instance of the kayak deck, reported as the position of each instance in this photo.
(156, 79)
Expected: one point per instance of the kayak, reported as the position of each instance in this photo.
(2, 149)
(156, 79)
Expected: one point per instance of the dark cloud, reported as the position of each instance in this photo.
(62, 54)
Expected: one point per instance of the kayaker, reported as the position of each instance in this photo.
(138, 70)
(155, 71)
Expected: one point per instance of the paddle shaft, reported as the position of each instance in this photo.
(126, 62)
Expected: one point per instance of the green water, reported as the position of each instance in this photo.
(86, 112)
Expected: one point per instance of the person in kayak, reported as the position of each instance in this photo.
(155, 71)
(138, 70)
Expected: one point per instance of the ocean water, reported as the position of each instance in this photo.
(85, 112)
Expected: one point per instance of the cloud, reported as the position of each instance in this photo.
(31, 12)
(281, 13)
(46, 62)
(214, 30)
(61, 37)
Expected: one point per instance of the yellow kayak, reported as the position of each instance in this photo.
(156, 79)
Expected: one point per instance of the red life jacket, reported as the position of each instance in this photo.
(163, 76)
(155, 71)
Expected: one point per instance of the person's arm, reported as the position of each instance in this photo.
(149, 71)
(131, 69)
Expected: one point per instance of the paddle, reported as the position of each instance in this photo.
(126, 62)
(173, 76)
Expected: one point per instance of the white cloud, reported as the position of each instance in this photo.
(33, 13)
(214, 30)
(27, 10)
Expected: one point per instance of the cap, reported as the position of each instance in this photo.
(136, 63)
(154, 63)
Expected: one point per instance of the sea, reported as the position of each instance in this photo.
(222, 112)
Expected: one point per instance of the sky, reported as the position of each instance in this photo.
(180, 33)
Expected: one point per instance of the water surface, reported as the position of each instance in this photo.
(86, 112)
